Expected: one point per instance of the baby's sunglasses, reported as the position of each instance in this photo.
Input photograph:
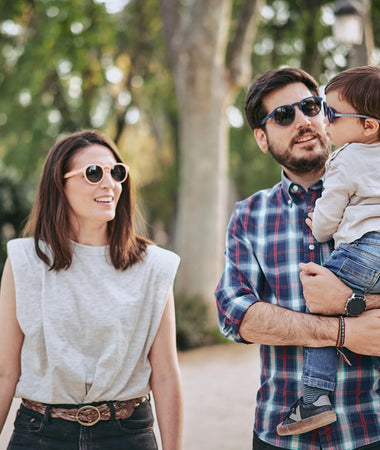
(284, 115)
(95, 173)
(332, 115)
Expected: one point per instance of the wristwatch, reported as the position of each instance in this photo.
(355, 305)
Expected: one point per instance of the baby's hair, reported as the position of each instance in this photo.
(359, 86)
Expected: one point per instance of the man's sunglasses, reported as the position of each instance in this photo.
(94, 173)
(284, 115)
(332, 115)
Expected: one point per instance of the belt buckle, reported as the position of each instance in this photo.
(84, 408)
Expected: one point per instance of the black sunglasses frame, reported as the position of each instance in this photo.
(332, 115)
(292, 112)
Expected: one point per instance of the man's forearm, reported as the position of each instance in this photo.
(269, 324)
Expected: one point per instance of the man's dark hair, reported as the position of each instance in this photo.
(268, 82)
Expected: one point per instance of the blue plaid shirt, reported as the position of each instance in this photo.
(267, 237)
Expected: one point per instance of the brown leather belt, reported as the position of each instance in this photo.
(87, 415)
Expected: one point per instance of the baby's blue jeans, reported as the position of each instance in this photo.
(358, 265)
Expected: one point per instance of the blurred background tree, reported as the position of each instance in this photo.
(166, 80)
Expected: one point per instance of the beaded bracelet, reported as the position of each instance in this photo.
(341, 333)
(340, 340)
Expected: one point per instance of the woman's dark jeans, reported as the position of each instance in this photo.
(34, 431)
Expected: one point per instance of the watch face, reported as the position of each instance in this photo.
(355, 305)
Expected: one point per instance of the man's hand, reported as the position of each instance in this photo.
(324, 292)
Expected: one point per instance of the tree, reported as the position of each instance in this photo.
(69, 65)
(54, 74)
(209, 46)
(14, 208)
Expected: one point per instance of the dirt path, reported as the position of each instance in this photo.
(219, 386)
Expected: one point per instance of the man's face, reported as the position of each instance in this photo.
(301, 147)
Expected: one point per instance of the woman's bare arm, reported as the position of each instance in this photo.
(11, 338)
(165, 380)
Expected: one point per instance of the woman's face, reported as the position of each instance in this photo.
(92, 205)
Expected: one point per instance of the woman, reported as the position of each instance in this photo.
(87, 313)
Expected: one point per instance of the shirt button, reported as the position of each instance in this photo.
(295, 188)
(311, 247)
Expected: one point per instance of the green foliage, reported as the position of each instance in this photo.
(60, 59)
(52, 55)
(218, 338)
(56, 58)
(15, 205)
(192, 323)
(299, 33)
(193, 326)
(250, 169)
(159, 200)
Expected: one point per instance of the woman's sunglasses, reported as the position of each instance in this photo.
(94, 173)
(284, 115)
(332, 115)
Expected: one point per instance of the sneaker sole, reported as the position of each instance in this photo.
(311, 423)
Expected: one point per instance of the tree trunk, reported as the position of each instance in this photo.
(203, 93)
(201, 219)
(207, 70)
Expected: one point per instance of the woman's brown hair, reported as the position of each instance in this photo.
(49, 219)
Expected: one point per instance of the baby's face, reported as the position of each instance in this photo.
(344, 129)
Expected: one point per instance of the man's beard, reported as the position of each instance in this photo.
(302, 165)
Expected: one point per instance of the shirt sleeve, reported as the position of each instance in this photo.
(329, 209)
(236, 291)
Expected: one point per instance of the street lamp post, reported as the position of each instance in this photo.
(349, 29)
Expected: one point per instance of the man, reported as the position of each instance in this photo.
(259, 296)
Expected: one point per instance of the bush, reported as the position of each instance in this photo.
(15, 205)
(192, 322)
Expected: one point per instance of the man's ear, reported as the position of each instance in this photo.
(261, 139)
(371, 127)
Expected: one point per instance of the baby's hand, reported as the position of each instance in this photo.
(309, 221)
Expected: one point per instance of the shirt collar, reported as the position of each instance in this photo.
(289, 188)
